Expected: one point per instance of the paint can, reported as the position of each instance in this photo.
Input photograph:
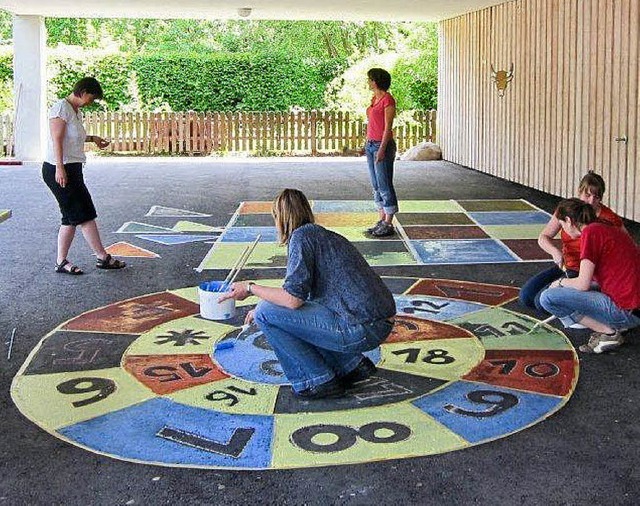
(208, 293)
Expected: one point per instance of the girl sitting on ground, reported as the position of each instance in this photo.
(567, 260)
(608, 256)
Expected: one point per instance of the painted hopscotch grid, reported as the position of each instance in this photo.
(430, 232)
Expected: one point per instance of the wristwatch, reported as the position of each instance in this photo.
(249, 285)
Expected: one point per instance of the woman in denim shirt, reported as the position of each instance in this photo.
(331, 308)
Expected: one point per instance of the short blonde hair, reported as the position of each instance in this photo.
(291, 210)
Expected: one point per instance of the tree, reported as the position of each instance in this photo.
(6, 27)
(408, 50)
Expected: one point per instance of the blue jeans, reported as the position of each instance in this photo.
(313, 344)
(381, 174)
(570, 305)
(530, 292)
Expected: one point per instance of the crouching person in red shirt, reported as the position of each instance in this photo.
(611, 258)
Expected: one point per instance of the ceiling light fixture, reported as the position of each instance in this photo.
(244, 12)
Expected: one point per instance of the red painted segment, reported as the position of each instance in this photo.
(528, 249)
(544, 371)
(135, 316)
(165, 374)
(408, 329)
(421, 232)
(482, 293)
(125, 249)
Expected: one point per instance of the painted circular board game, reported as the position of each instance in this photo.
(141, 380)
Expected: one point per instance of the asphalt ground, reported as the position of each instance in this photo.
(587, 453)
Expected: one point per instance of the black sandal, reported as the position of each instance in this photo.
(74, 270)
(109, 263)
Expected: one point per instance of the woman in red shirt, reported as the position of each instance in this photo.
(381, 150)
(608, 256)
(567, 260)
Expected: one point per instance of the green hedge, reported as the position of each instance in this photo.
(112, 71)
(220, 81)
(232, 81)
(212, 82)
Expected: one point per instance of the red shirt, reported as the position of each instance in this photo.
(617, 262)
(375, 116)
(571, 246)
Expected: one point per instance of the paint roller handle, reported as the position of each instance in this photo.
(246, 258)
(226, 281)
(542, 322)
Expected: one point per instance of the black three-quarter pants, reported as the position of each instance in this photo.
(74, 199)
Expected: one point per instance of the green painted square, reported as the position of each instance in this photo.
(427, 436)
(225, 255)
(385, 253)
(262, 403)
(38, 397)
(192, 226)
(353, 234)
(525, 231)
(500, 329)
(190, 335)
(429, 206)
(445, 359)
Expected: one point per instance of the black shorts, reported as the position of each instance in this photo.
(74, 199)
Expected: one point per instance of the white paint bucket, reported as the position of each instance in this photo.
(209, 293)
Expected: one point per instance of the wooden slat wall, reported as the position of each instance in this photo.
(574, 91)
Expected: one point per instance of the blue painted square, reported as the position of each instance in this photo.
(434, 308)
(462, 251)
(452, 407)
(510, 217)
(249, 234)
(343, 206)
(130, 433)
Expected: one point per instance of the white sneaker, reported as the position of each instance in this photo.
(600, 342)
(577, 326)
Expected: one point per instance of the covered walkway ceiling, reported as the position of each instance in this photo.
(337, 10)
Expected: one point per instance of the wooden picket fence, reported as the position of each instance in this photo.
(261, 133)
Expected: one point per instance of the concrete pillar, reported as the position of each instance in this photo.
(29, 75)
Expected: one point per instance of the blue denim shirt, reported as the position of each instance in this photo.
(325, 267)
